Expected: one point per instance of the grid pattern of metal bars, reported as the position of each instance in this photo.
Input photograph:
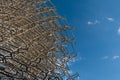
(33, 41)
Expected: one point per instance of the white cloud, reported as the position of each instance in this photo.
(111, 58)
(78, 58)
(93, 22)
(90, 23)
(97, 22)
(105, 57)
(115, 57)
(118, 30)
(110, 19)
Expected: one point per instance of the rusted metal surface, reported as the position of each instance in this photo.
(33, 41)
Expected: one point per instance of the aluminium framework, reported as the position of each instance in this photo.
(34, 41)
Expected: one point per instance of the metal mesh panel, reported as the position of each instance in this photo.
(33, 41)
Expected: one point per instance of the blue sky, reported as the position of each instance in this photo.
(97, 31)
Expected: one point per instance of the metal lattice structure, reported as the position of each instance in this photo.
(34, 41)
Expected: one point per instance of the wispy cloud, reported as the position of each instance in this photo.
(90, 23)
(105, 57)
(118, 31)
(93, 22)
(78, 58)
(110, 19)
(115, 57)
